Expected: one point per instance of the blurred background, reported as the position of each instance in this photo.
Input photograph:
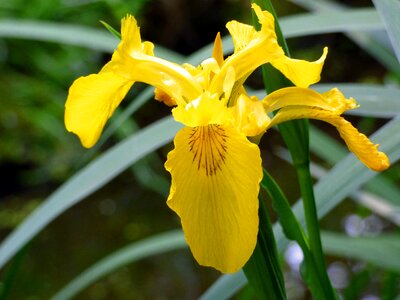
(37, 154)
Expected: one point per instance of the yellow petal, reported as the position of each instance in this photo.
(252, 49)
(207, 109)
(91, 102)
(163, 97)
(215, 174)
(302, 73)
(218, 52)
(135, 61)
(249, 116)
(332, 100)
(357, 142)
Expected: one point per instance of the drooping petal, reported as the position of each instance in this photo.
(91, 102)
(358, 143)
(301, 72)
(332, 100)
(135, 61)
(215, 174)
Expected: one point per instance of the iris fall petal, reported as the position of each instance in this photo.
(91, 102)
(215, 174)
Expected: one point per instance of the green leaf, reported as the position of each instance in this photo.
(293, 231)
(363, 19)
(75, 35)
(382, 251)
(59, 33)
(288, 221)
(89, 179)
(345, 178)
(153, 245)
(389, 10)
(111, 29)
(263, 270)
(225, 287)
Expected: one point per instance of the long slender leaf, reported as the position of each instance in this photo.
(382, 251)
(364, 19)
(76, 35)
(345, 178)
(156, 244)
(89, 179)
(389, 10)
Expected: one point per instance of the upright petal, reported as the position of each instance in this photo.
(215, 174)
(358, 143)
(91, 102)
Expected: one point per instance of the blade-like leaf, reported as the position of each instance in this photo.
(364, 19)
(76, 35)
(89, 179)
(389, 10)
(156, 244)
(225, 287)
(382, 251)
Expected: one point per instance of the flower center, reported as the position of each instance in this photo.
(208, 145)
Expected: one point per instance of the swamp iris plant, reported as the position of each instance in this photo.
(215, 166)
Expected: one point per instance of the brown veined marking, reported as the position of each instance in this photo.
(208, 145)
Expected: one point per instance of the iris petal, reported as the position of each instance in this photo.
(332, 100)
(215, 174)
(91, 102)
(301, 72)
(358, 143)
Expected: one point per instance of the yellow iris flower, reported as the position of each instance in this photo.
(215, 169)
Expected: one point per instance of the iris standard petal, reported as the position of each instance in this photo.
(215, 174)
(358, 143)
(91, 102)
